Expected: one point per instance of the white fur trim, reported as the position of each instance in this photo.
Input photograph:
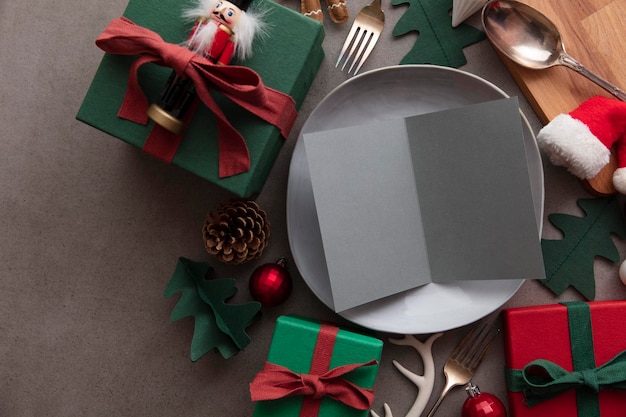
(569, 143)
(619, 180)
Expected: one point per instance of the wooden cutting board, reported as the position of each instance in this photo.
(594, 34)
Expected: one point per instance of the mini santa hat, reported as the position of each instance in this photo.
(582, 140)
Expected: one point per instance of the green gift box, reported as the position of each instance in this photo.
(287, 59)
(298, 344)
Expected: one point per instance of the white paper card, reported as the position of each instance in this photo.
(438, 197)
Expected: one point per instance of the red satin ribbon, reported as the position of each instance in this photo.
(276, 381)
(239, 84)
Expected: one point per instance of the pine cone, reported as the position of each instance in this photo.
(236, 232)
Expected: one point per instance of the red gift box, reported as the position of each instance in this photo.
(566, 334)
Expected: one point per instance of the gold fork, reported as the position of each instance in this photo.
(465, 359)
(363, 34)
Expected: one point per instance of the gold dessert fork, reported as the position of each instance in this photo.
(465, 359)
(364, 33)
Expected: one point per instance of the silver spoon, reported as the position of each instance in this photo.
(529, 38)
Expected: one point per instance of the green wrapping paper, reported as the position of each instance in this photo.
(287, 60)
(293, 345)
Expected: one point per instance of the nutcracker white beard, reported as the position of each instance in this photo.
(202, 38)
(250, 24)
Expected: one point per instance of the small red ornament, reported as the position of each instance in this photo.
(482, 404)
(270, 284)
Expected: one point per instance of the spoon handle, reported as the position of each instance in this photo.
(571, 63)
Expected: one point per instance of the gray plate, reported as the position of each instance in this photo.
(390, 93)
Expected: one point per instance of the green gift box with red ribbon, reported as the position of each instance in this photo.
(285, 61)
(316, 369)
(566, 359)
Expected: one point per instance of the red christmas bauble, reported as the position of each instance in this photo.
(270, 284)
(482, 404)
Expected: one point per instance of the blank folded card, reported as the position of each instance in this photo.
(438, 197)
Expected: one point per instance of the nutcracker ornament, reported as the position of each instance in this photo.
(223, 30)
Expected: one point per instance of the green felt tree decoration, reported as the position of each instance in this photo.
(217, 325)
(438, 43)
(569, 261)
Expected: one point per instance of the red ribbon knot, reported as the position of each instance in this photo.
(239, 84)
(314, 387)
(276, 381)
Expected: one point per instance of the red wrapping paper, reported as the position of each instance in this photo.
(542, 332)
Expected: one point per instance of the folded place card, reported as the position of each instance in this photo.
(438, 197)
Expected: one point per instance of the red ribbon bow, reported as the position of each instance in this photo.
(240, 84)
(276, 381)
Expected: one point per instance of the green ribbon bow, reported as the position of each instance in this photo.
(541, 379)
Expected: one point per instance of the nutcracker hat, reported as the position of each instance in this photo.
(581, 140)
(242, 4)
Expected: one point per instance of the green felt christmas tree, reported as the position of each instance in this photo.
(438, 43)
(217, 325)
(569, 261)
